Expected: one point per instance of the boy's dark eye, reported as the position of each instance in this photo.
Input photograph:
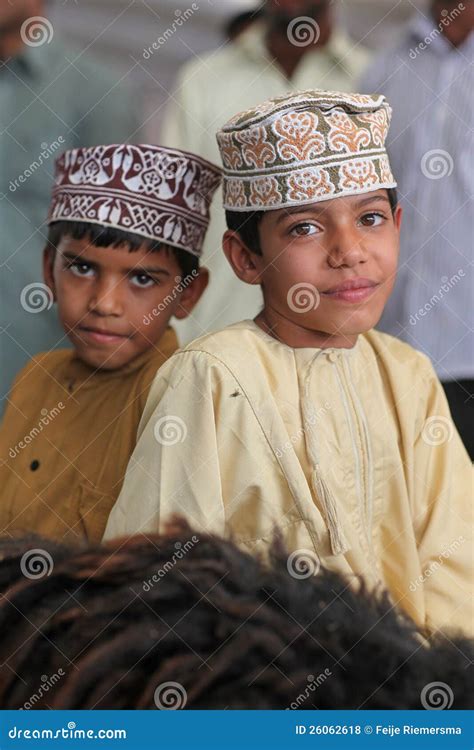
(303, 229)
(80, 269)
(143, 280)
(373, 219)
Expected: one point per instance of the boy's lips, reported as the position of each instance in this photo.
(102, 336)
(353, 290)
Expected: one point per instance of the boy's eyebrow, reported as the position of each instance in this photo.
(317, 209)
(134, 269)
(145, 269)
(372, 198)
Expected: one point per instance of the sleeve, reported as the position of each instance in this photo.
(443, 514)
(175, 466)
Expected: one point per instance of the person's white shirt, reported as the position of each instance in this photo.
(210, 91)
(429, 86)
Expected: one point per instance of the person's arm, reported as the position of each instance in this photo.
(443, 514)
(175, 466)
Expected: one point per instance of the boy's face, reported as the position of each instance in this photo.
(309, 252)
(113, 303)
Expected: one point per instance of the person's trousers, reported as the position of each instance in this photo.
(460, 395)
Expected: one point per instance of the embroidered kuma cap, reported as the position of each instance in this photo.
(305, 147)
(158, 193)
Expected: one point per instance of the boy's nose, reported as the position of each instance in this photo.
(106, 299)
(346, 250)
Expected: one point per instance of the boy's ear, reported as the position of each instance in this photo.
(48, 266)
(397, 217)
(244, 263)
(192, 293)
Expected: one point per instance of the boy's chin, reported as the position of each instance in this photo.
(358, 323)
(353, 325)
(98, 360)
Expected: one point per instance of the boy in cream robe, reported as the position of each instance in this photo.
(306, 418)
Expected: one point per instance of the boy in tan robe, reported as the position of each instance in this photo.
(126, 227)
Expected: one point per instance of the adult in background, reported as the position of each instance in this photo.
(294, 45)
(428, 80)
(52, 97)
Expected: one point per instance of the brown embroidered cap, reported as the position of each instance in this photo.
(160, 193)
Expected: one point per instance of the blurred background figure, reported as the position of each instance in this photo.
(294, 44)
(428, 79)
(240, 23)
(52, 97)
